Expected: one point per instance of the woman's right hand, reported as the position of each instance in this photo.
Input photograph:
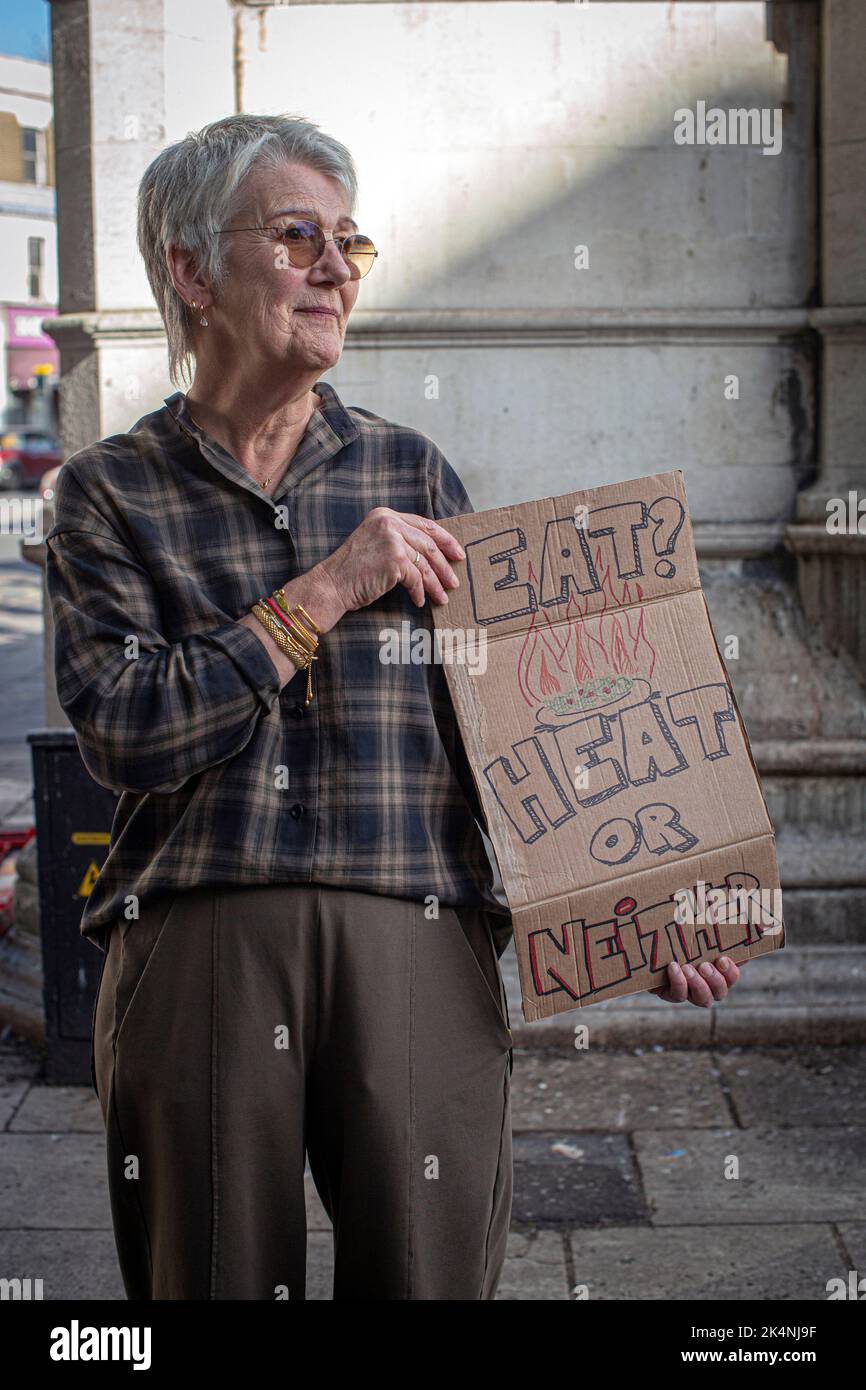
(380, 553)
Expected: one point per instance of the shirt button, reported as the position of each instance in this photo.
(296, 811)
(298, 711)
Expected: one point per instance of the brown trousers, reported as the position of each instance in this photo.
(237, 1030)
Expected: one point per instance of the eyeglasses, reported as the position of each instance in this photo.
(305, 243)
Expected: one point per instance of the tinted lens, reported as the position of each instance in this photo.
(304, 242)
(359, 253)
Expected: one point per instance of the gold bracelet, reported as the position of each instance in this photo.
(305, 615)
(283, 639)
(300, 633)
(292, 619)
(289, 623)
(293, 627)
(280, 596)
(303, 660)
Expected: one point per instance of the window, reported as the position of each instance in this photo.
(29, 154)
(34, 155)
(35, 259)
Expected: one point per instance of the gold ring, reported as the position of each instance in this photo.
(417, 559)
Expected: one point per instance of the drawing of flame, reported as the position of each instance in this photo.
(557, 656)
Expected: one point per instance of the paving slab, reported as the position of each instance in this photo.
(53, 1182)
(320, 1267)
(71, 1264)
(317, 1217)
(20, 1058)
(812, 1086)
(534, 1268)
(67, 1109)
(584, 1179)
(798, 1174)
(712, 1263)
(586, 1090)
(852, 1234)
(12, 1094)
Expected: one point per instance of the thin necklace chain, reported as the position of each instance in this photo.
(264, 485)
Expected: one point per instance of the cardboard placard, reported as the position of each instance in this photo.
(610, 756)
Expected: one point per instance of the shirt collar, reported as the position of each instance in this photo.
(329, 429)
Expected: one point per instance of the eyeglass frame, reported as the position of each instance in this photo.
(337, 240)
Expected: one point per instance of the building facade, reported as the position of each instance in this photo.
(29, 359)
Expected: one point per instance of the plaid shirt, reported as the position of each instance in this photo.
(161, 536)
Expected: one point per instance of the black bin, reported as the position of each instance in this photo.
(73, 823)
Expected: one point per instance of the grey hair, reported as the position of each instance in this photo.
(192, 188)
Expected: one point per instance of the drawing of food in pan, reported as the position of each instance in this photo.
(590, 696)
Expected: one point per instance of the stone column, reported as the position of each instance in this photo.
(128, 80)
(832, 566)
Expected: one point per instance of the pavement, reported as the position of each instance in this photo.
(647, 1173)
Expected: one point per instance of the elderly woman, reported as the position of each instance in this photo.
(297, 914)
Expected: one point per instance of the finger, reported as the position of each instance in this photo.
(715, 979)
(420, 578)
(444, 540)
(729, 969)
(431, 552)
(676, 989)
(699, 990)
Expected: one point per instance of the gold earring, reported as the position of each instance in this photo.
(203, 321)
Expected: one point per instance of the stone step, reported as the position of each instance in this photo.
(813, 994)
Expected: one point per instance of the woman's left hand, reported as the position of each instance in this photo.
(702, 986)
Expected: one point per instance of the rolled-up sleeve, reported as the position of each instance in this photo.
(148, 713)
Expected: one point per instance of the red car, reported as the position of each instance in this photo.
(26, 452)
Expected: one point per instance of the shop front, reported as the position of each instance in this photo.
(32, 368)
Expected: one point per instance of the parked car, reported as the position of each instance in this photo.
(26, 453)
